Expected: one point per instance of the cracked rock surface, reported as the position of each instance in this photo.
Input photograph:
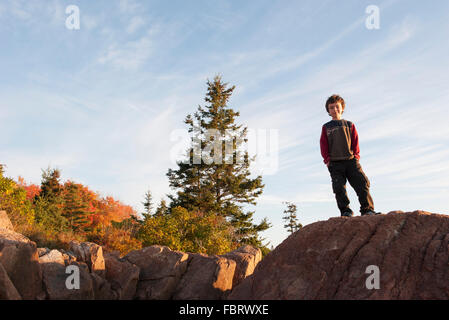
(329, 260)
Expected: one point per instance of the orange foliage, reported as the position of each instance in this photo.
(102, 210)
(113, 210)
(32, 190)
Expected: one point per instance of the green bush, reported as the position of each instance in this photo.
(13, 200)
(187, 231)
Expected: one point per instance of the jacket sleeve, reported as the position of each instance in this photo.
(324, 145)
(355, 142)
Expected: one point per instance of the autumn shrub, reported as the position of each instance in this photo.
(14, 201)
(187, 231)
(115, 239)
(46, 238)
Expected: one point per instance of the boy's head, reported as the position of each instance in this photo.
(332, 101)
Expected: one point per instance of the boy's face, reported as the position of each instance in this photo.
(335, 110)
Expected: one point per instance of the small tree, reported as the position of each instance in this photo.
(148, 204)
(49, 202)
(76, 208)
(162, 209)
(49, 216)
(292, 223)
(51, 187)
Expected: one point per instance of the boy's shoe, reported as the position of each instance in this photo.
(347, 214)
(370, 213)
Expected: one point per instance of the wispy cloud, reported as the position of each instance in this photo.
(33, 12)
(135, 23)
(19, 10)
(131, 55)
(128, 6)
(301, 197)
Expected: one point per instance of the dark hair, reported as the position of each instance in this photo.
(333, 99)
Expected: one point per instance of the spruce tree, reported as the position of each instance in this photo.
(50, 185)
(148, 204)
(216, 177)
(76, 209)
(162, 209)
(292, 223)
(49, 202)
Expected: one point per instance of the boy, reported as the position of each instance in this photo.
(340, 149)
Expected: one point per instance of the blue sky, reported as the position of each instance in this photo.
(100, 103)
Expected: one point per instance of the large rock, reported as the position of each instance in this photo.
(122, 275)
(206, 278)
(103, 289)
(246, 258)
(56, 280)
(90, 253)
(7, 289)
(334, 259)
(5, 223)
(56, 273)
(20, 260)
(160, 271)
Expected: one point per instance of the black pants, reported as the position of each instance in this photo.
(352, 171)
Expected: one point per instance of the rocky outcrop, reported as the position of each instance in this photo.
(167, 274)
(390, 256)
(152, 273)
(20, 261)
(5, 223)
(206, 278)
(246, 258)
(399, 255)
(7, 289)
(160, 271)
(122, 276)
(91, 254)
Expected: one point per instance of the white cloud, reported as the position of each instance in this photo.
(89, 21)
(135, 23)
(128, 6)
(35, 12)
(21, 11)
(129, 56)
(336, 72)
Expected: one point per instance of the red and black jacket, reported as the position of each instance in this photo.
(339, 141)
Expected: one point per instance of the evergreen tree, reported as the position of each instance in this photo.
(221, 185)
(49, 202)
(162, 209)
(292, 223)
(76, 209)
(50, 185)
(148, 204)
(49, 215)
